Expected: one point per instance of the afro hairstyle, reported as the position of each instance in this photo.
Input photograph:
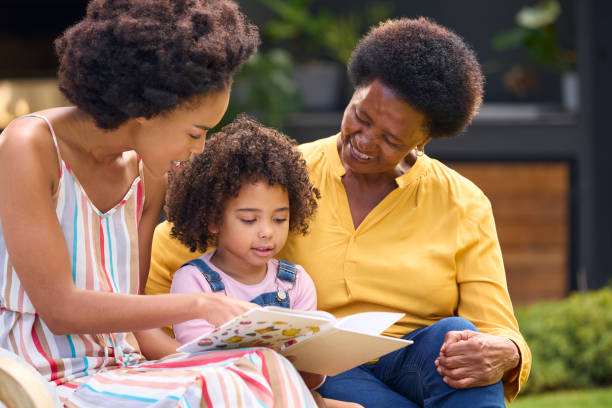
(142, 58)
(426, 65)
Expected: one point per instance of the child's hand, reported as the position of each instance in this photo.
(218, 308)
(312, 380)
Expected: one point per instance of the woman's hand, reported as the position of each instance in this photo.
(218, 308)
(472, 359)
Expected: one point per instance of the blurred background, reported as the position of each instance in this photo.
(540, 147)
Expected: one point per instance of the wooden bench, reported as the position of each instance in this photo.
(21, 386)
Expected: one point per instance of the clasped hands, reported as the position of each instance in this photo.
(472, 359)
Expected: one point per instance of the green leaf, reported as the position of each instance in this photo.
(511, 38)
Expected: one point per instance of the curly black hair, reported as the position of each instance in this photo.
(141, 58)
(244, 151)
(426, 65)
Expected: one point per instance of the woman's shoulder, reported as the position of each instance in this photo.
(459, 189)
(27, 143)
(317, 149)
(27, 131)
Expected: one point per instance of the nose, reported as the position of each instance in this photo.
(198, 145)
(364, 141)
(265, 232)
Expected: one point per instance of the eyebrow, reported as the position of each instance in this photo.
(364, 113)
(203, 127)
(257, 209)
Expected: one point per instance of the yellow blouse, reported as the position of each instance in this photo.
(428, 250)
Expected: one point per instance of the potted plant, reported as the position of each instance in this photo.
(321, 44)
(264, 88)
(536, 33)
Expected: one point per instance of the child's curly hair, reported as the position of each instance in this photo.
(244, 151)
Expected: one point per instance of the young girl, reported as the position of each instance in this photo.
(243, 195)
(81, 190)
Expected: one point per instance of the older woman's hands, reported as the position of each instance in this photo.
(472, 359)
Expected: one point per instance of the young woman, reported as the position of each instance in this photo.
(81, 190)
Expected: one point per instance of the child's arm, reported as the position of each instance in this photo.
(303, 296)
(189, 280)
(155, 343)
(312, 380)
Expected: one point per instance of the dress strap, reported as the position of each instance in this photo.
(212, 277)
(59, 157)
(287, 271)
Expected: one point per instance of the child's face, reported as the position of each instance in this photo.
(254, 227)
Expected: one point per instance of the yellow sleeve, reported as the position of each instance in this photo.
(483, 294)
(167, 256)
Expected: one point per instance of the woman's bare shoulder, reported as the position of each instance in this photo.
(27, 143)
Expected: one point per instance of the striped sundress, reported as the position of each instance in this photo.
(98, 370)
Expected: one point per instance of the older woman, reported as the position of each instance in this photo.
(399, 231)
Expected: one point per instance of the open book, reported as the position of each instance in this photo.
(316, 340)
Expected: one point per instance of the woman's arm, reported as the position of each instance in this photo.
(498, 351)
(472, 359)
(37, 249)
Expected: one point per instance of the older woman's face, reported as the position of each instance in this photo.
(379, 130)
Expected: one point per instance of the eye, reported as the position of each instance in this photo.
(359, 119)
(390, 143)
(248, 220)
(280, 220)
(195, 137)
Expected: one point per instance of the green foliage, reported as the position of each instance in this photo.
(265, 89)
(536, 33)
(592, 398)
(311, 34)
(571, 341)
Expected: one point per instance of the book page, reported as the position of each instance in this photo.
(262, 327)
(306, 313)
(336, 350)
(368, 322)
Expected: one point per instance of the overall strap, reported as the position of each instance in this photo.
(287, 271)
(212, 277)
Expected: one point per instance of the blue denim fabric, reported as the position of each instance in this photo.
(271, 299)
(408, 377)
(286, 271)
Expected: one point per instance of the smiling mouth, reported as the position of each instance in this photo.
(357, 154)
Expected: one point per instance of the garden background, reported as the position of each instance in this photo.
(540, 147)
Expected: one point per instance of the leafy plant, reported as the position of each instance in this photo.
(570, 341)
(536, 33)
(265, 89)
(311, 34)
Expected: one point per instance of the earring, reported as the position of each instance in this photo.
(419, 151)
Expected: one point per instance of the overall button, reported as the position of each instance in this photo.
(281, 295)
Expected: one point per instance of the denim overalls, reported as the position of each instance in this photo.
(286, 271)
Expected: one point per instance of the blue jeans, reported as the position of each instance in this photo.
(408, 377)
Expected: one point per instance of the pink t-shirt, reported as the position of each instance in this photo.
(189, 279)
